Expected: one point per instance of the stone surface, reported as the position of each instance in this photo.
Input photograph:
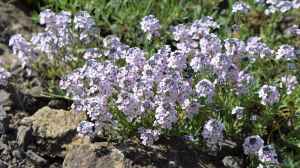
(232, 162)
(3, 121)
(23, 136)
(5, 99)
(59, 104)
(53, 123)
(52, 129)
(36, 159)
(3, 164)
(93, 156)
(132, 155)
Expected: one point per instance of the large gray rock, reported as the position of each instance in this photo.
(35, 158)
(53, 123)
(94, 156)
(5, 99)
(53, 129)
(133, 155)
(3, 164)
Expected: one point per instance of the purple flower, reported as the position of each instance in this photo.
(151, 26)
(286, 52)
(268, 155)
(240, 7)
(269, 95)
(205, 88)
(213, 133)
(4, 76)
(148, 136)
(238, 112)
(252, 145)
(85, 128)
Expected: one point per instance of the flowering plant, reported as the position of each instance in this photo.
(198, 85)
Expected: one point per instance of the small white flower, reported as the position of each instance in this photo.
(290, 82)
(240, 7)
(268, 155)
(286, 52)
(205, 88)
(148, 136)
(151, 26)
(252, 145)
(269, 95)
(85, 128)
(4, 75)
(213, 133)
(238, 112)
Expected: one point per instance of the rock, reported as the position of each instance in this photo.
(94, 155)
(3, 121)
(18, 154)
(5, 99)
(13, 20)
(35, 158)
(3, 146)
(34, 91)
(23, 136)
(232, 162)
(3, 164)
(53, 129)
(59, 104)
(133, 155)
(52, 123)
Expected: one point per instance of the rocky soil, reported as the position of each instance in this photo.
(39, 132)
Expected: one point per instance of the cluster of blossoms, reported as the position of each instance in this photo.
(269, 95)
(213, 133)
(254, 145)
(58, 34)
(240, 7)
(148, 136)
(279, 5)
(158, 85)
(4, 75)
(238, 112)
(151, 26)
(290, 82)
(293, 30)
(286, 52)
(120, 81)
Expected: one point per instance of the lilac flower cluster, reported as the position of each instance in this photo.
(22, 49)
(293, 30)
(57, 35)
(148, 136)
(151, 26)
(213, 133)
(269, 95)
(240, 7)
(4, 76)
(279, 5)
(286, 52)
(144, 85)
(268, 155)
(290, 82)
(238, 112)
(254, 145)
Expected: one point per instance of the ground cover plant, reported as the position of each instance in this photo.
(207, 72)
